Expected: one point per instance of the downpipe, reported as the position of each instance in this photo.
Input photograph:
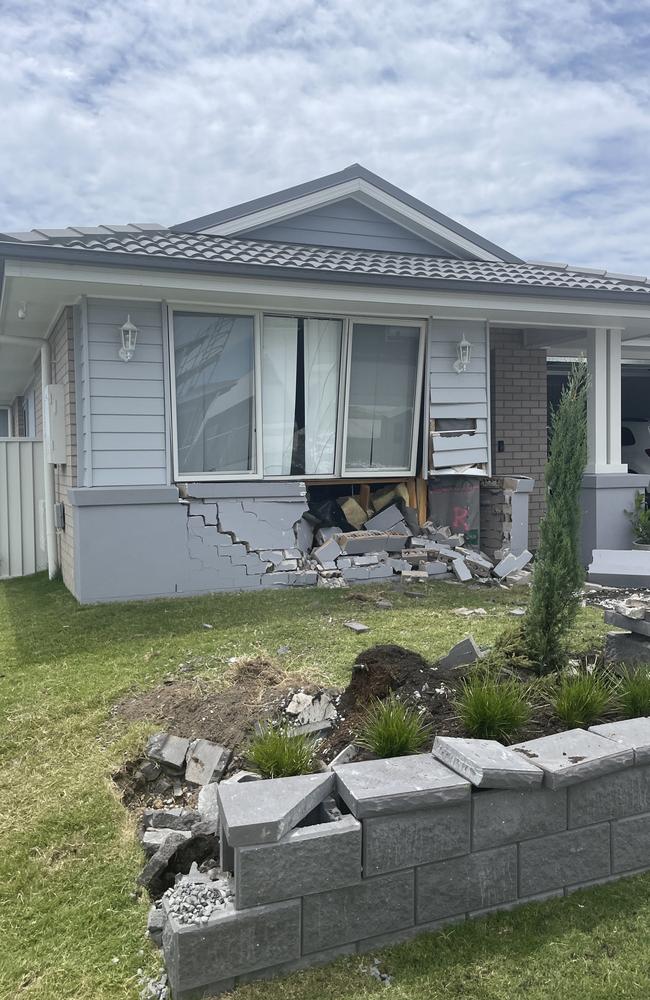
(48, 476)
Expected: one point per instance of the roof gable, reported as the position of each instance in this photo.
(438, 233)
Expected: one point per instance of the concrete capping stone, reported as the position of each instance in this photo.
(398, 784)
(634, 733)
(575, 755)
(310, 859)
(486, 763)
(114, 496)
(262, 812)
(612, 796)
(405, 839)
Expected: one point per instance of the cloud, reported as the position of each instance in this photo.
(528, 122)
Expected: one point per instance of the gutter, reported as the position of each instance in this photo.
(115, 259)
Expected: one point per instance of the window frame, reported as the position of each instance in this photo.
(7, 407)
(258, 315)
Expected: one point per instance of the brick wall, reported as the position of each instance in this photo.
(62, 346)
(519, 415)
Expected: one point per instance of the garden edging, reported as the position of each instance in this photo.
(383, 850)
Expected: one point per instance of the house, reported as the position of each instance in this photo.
(195, 385)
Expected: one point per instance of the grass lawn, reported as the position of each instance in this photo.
(69, 924)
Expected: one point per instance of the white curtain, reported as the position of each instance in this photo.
(322, 355)
(279, 353)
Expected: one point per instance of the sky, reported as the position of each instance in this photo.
(527, 121)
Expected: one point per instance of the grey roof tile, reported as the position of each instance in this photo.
(320, 260)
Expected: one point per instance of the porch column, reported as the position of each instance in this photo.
(604, 401)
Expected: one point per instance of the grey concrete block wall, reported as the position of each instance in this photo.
(426, 849)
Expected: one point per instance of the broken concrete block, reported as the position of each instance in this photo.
(382, 498)
(325, 532)
(153, 875)
(386, 519)
(486, 763)
(305, 709)
(205, 762)
(464, 652)
(168, 751)
(328, 552)
(345, 756)
(359, 542)
(155, 921)
(626, 647)
(304, 536)
(639, 626)
(398, 784)
(436, 568)
(566, 758)
(461, 570)
(170, 819)
(413, 575)
(353, 511)
(262, 812)
(153, 839)
(287, 565)
(356, 626)
(370, 560)
(401, 565)
(512, 564)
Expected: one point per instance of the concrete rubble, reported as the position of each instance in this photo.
(276, 537)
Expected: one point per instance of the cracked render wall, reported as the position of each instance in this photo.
(421, 844)
(141, 542)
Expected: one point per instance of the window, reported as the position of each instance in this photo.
(281, 396)
(382, 395)
(5, 422)
(300, 389)
(214, 365)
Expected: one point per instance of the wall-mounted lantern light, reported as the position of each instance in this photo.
(464, 352)
(129, 337)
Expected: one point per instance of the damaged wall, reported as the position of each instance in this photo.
(142, 542)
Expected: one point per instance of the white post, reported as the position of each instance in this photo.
(604, 401)
(50, 527)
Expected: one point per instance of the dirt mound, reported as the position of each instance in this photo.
(378, 671)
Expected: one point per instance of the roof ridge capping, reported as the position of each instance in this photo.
(38, 235)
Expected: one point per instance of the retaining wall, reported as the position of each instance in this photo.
(400, 847)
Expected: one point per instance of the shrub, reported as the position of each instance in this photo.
(634, 693)
(558, 574)
(392, 729)
(640, 518)
(278, 752)
(492, 709)
(581, 700)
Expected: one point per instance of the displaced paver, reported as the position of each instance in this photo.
(357, 626)
(205, 762)
(262, 812)
(576, 755)
(168, 751)
(486, 763)
(633, 733)
(397, 784)
(464, 652)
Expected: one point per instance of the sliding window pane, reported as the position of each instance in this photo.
(381, 403)
(300, 380)
(214, 359)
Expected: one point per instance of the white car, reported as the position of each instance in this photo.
(635, 446)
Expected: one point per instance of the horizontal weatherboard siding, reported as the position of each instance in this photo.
(458, 396)
(127, 399)
(346, 223)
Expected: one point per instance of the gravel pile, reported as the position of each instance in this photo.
(195, 902)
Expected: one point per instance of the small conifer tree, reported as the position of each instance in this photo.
(558, 575)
